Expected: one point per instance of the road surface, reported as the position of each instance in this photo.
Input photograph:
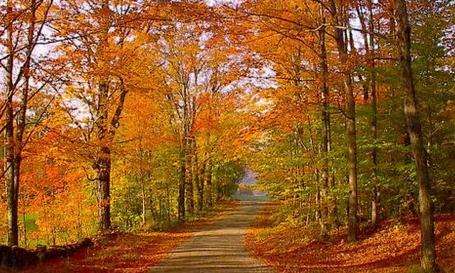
(219, 248)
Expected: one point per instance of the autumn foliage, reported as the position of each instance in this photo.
(131, 115)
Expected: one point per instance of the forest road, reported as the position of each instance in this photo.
(218, 248)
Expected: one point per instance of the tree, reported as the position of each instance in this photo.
(101, 82)
(428, 258)
(31, 19)
(370, 85)
(340, 21)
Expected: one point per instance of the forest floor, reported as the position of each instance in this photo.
(392, 247)
(131, 252)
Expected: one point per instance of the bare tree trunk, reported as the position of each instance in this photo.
(168, 207)
(21, 117)
(428, 258)
(367, 48)
(319, 211)
(12, 185)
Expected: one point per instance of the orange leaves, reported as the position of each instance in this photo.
(48, 168)
(295, 248)
(144, 123)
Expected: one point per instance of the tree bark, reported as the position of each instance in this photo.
(189, 177)
(102, 164)
(104, 132)
(208, 185)
(350, 122)
(104, 180)
(189, 194)
(199, 182)
(181, 193)
(196, 171)
(12, 185)
(428, 253)
(352, 157)
(375, 203)
(24, 221)
(325, 125)
(368, 39)
(367, 48)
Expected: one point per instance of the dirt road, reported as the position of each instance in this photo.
(218, 248)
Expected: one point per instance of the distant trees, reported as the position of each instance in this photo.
(194, 77)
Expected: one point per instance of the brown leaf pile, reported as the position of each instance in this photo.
(130, 253)
(392, 247)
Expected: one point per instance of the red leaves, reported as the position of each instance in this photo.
(393, 248)
(120, 253)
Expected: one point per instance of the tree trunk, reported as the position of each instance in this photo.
(168, 207)
(368, 39)
(195, 171)
(21, 116)
(24, 221)
(14, 141)
(325, 125)
(189, 194)
(367, 48)
(350, 124)
(319, 212)
(428, 258)
(208, 185)
(189, 177)
(374, 120)
(102, 164)
(336, 222)
(12, 186)
(104, 180)
(352, 158)
(181, 194)
(200, 187)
